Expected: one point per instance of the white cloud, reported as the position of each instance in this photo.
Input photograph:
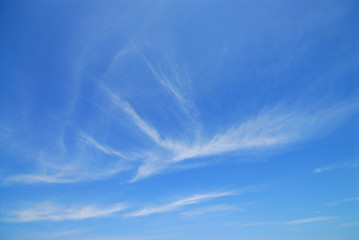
(120, 237)
(271, 128)
(168, 83)
(54, 235)
(209, 209)
(342, 201)
(326, 168)
(336, 166)
(67, 174)
(38, 178)
(350, 224)
(91, 141)
(51, 212)
(145, 127)
(59, 166)
(308, 220)
(177, 204)
(291, 222)
(254, 224)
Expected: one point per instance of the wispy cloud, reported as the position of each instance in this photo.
(209, 209)
(121, 237)
(291, 222)
(308, 220)
(91, 141)
(326, 168)
(254, 224)
(50, 171)
(334, 166)
(349, 224)
(62, 177)
(271, 128)
(144, 126)
(68, 173)
(177, 204)
(59, 166)
(169, 82)
(51, 212)
(38, 178)
(54, 235)
(342, 201)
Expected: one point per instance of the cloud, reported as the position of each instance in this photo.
(342, 201)
(169, 82)
(209, 209)
(51, 172)
(119, 237)
(54, 235)
(350, 224)
(326, 168)
(91, 141)
(38, 178)
(51, 212)
(271, 128)
(63, 167)
(291, 222)
(65, 177)
(308, 220)
(177, 204)
(336, 166)
(71, 173)
(254, 224)
(144, 126)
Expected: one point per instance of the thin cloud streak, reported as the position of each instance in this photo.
(350, 224)
(308, 220)
(165, 82)
(208, 210)
(254, 224)
(342, 201)
(55, 235)
(63, 176)
(177, 204)
(51, 212)
(119, 237)
(291, 222)
(37, 178)
(145, 127)
(91, 141)
(71, 173)
(336, 166)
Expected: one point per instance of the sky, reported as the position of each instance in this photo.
(196, 120)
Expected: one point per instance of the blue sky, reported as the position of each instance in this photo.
(129, 120)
